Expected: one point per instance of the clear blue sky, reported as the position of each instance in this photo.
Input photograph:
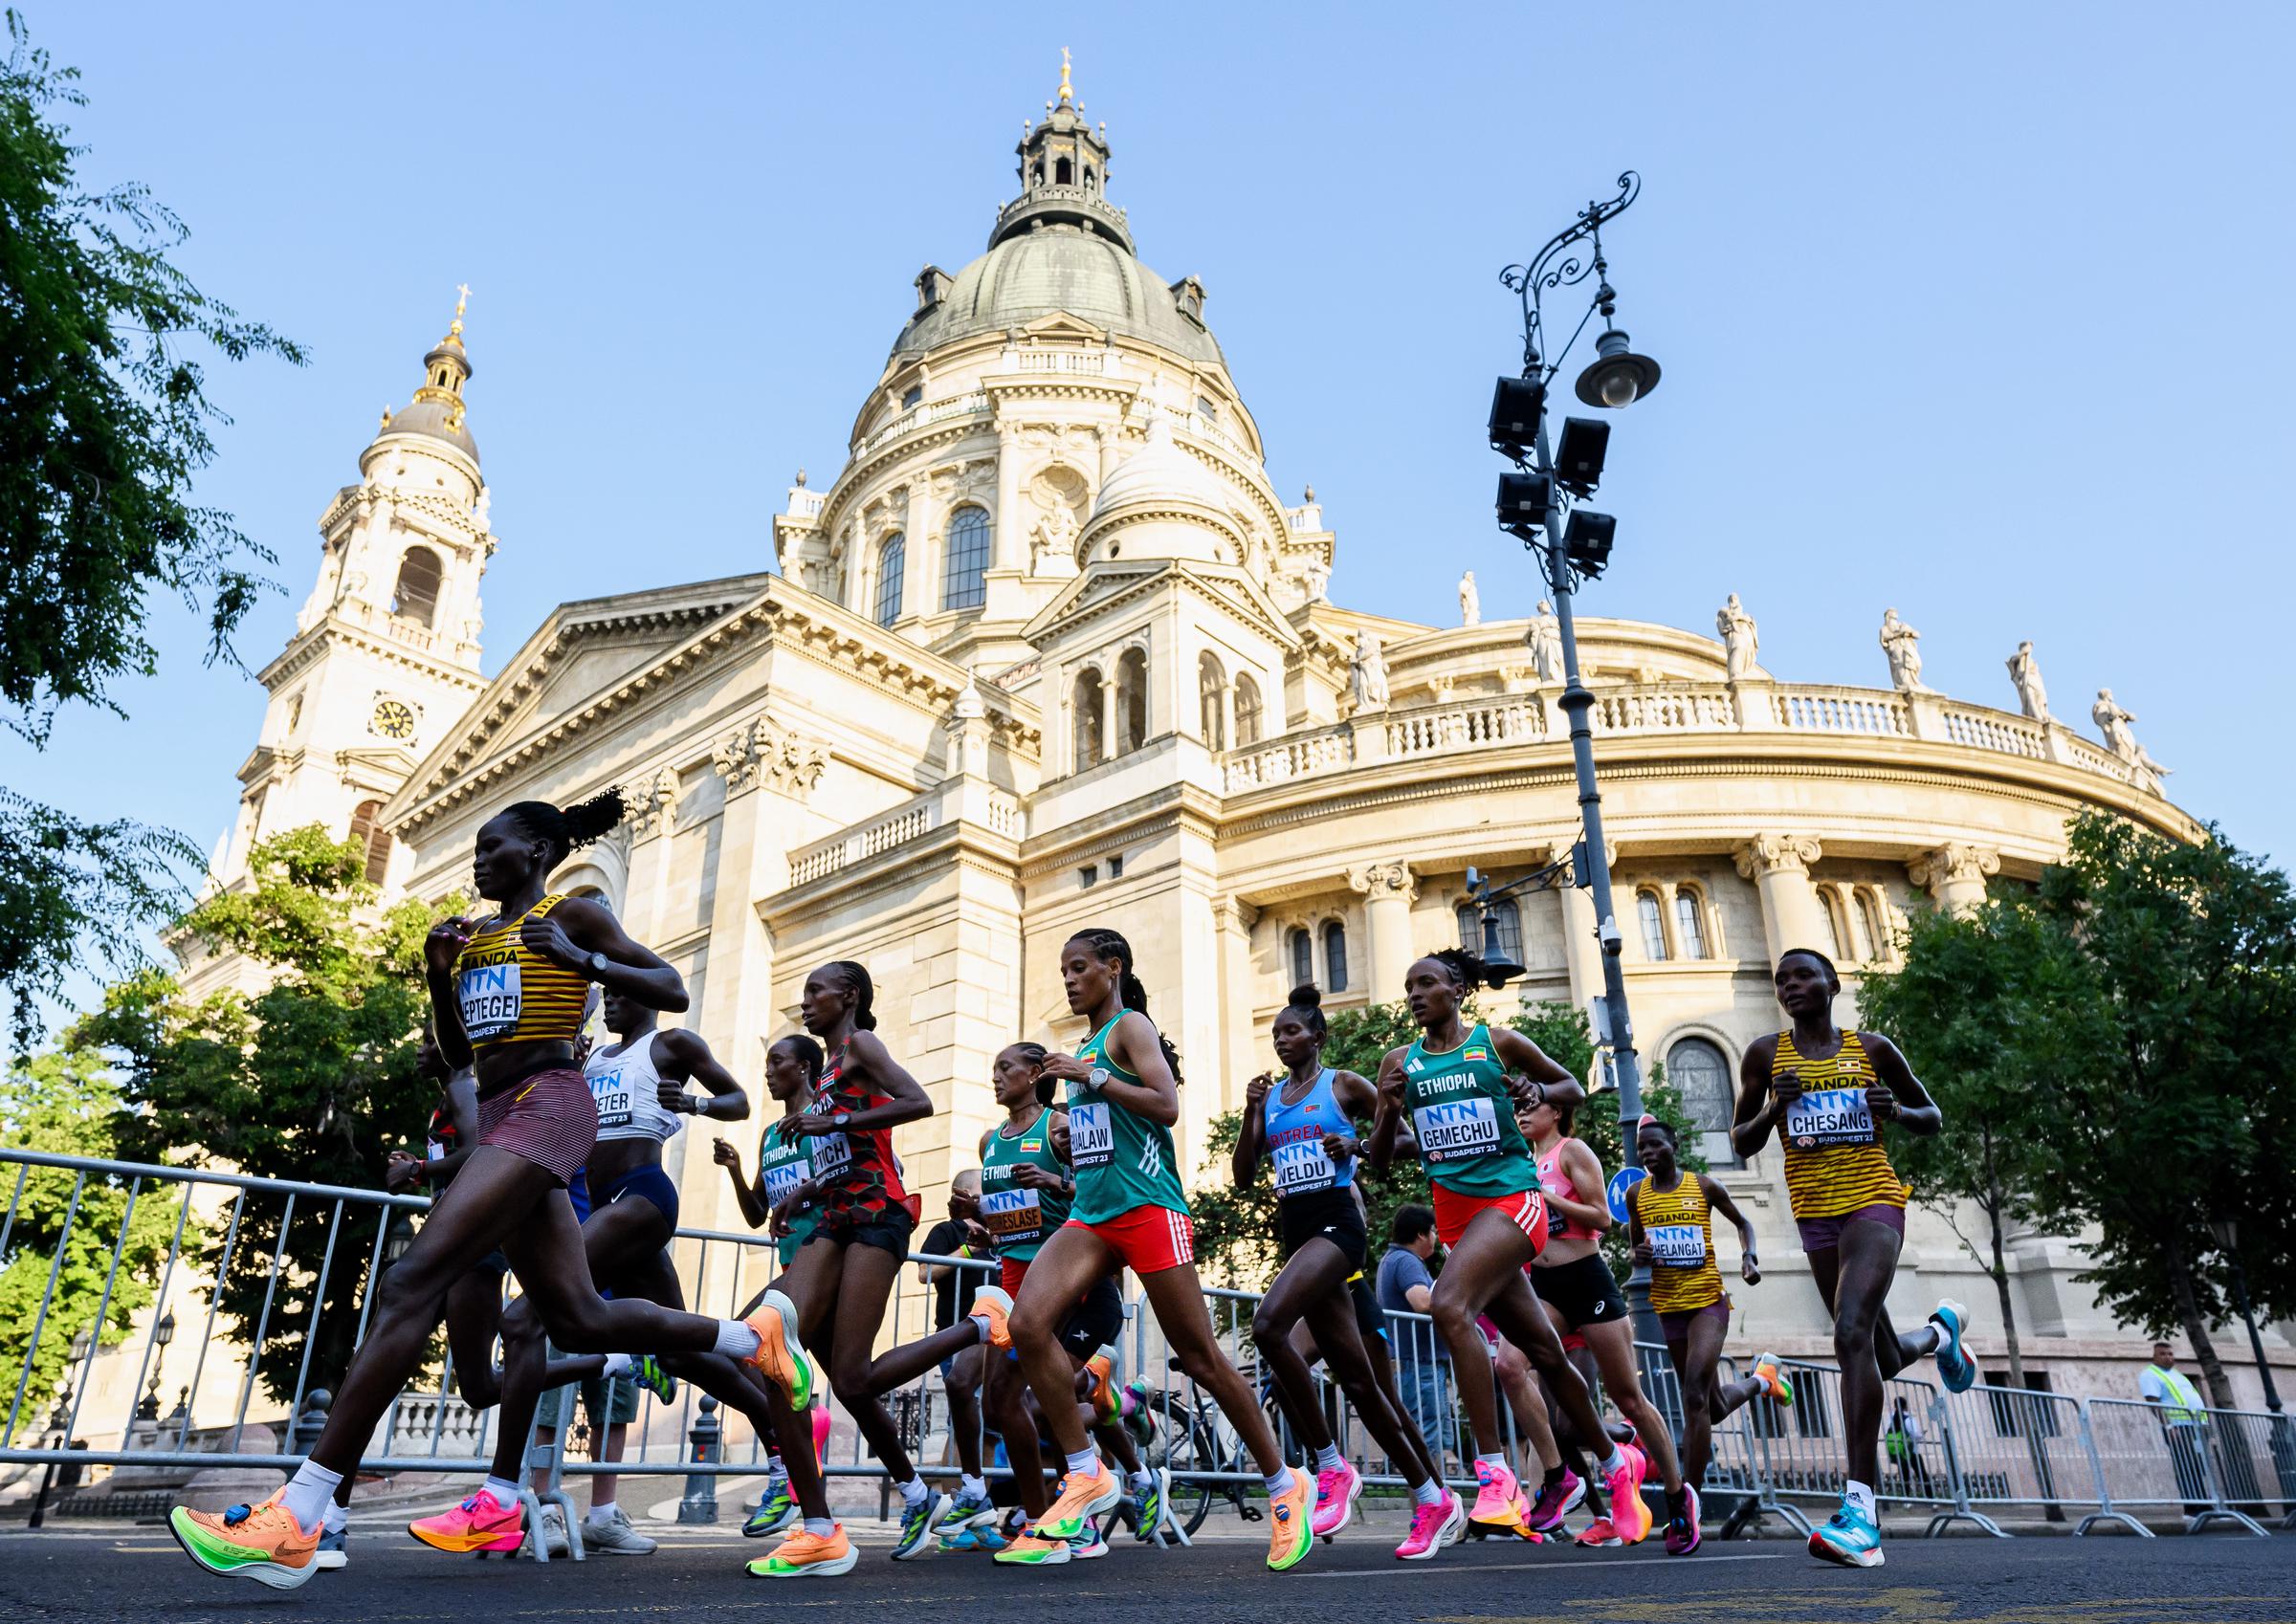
(1979, 312)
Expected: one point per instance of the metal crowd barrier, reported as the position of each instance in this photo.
(299, 1260)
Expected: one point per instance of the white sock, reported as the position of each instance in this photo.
(1086, 1461)
(735, 1340)
(1861, 1496)
(1499, 1461)
(1326, 1458)
(1611, 1462)
(617, 1365)
(1142, 1481)
(1279, 1482)
(504, 1491)
(973, 1485)
(912, 1492)
(1428, 1493)
(821, 1528)
(309, 1494)
(600, 1510)
(339, 1518)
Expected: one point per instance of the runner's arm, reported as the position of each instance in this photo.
(578, 927)
(1251, 1135)
(1386, 1125)
(462, 1109)
(441, 948)
(905, 1101)
(1901, 1098)
(1719, 1199)
(1758, 1110)
(1519, 1053)
(1585, 1169)
(682, 1056)
(750, 1199)
(1360, 1101)
(1135, 1044)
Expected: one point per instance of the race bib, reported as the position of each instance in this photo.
(832, 1153)
(490, 997)
(435, 1149)
(1678, 1245)
(781, 1179)
(1091, 1135)
(1829, 1116)
(1013, 1217)
(1301, 1166)
(609, 1091)
(1456, 1129)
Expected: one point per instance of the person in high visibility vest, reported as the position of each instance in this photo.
(2181, 1414)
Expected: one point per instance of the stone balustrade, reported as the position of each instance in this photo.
(923, 416)
(999, 810)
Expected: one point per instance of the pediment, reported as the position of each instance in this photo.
(1060, 324)
(1104, 587)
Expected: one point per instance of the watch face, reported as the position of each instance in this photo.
(392, 720)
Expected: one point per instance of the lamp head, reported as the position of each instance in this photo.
(1515, 405)
(1617, 377)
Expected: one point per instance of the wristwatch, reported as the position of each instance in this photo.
(841, 1119)
(598, 963)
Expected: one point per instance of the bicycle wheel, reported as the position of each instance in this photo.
(1185, 1445)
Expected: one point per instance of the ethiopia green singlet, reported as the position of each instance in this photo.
(784, 1163)
(1464, 1119)
(1122, 1159)
(1019, 1219)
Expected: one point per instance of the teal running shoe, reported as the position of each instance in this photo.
(1848, 1538)
(970, 1509)
(776, 1510)
(1954, 1368)
(921, 1526)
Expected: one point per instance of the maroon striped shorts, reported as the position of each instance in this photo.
(548, 1117)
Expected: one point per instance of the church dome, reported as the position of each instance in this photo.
(1058, 267)
(1161, 474)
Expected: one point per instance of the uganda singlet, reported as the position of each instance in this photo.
(1464, 1118)
(1018, 1219)
(1121, 1159)
(1295, 1139)
(859, 1175)
(510, 994)
(1835, 1162)
(782, 1165)
(1679, 1223)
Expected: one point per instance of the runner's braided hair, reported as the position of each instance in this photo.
(809, 1055)
(864, 991)
(561, 829)
(1108, 946)
(1036, 1054)
(1466, 970)
(1307, 1003)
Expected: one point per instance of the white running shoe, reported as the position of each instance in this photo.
(612, 1534)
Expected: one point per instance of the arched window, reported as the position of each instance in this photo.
(1836, 925)
(415, 597)
(1871, 942)
(1303, 957)
(1334, 957)
(1700, 1077)
(1506, 915)
(1211, 678)
(1132, 701)
(1689, 925)
(1064, 172)
(1654, 926)
(963, 578)
(372, 838)
(892, 562)
(1248, 710)
(1087, 705)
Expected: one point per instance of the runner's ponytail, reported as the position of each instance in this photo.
(1110, 947)
(561, 829)
(1307, 1003)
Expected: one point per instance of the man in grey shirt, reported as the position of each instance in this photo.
(1406, 1285)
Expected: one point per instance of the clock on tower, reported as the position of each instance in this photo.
(392, 720)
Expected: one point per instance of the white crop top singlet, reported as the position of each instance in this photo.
(626, 1088)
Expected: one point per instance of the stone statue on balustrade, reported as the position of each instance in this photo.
(1545, 638)
(1055, 537)
(1740, 642)
(1471, 601)
(1367, 673)
(2025, 672)
(2120, 738)
(1902, 644)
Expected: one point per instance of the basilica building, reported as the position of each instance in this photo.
(1050, 652)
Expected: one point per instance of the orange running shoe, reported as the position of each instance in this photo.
(1290, 1524)
(263, 1543)
(1108, 1404)
(1081, 1498)
(780, 1358)
(994, 1308)
(480, 1522)
(808, 1556)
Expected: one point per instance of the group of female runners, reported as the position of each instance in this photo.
(1074, 1191)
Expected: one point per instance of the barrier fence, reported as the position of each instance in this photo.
(278, 1276)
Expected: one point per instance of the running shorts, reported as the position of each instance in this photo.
(1677, 1324)
(649, 1183)
(1525, 1209)
(887, 1228)
(1331, 1214)
(1095, 1321)
(1582, 1291)
(1147, 1239)
(545, 1117)
(1370, 1319)
(1824, 1234)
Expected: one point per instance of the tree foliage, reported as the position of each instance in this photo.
(66, 1103)
(106, 424)
(313, 1078)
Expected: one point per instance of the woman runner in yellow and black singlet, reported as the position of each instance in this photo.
(1828, 1093)
(507, 998)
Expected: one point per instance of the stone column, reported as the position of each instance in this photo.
(1107, 714)
(920, 593)
(1955, 874)
(1011, 545)
(1387, 890)
(1779, 867)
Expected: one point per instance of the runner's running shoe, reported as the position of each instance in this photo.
(1767, 1372)
(1597, 1535)
(970, 1509)
(1136, 1419)
(1628, 1515)
(994, 1306)
(480, 1522)
(1081, 1498)
(263, 1543)
(1106, 1402)
(1290, 1529)
(648, 1373)
(776, 1509)
(1553, 1501)
(921, 1524)
(1336, 1491)
(1849, 1538)
(1954, 1368)
(1683, 1533)
(333, 1549)
(1495, 1492)
(1433, 1527)
(1088, 1545)
(780, 1358)
(807, 1556)
(1522, 1520)
(1155, 1502)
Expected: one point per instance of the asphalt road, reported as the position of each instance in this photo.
(139, 1575)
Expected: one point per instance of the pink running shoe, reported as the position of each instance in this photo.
(1628, 1515)
(1495, 1492)
(1597, 1535)
(480, 1522)
(1433, 1527)
(1563, 1495)
(1335, 1494)
(1683, 1533)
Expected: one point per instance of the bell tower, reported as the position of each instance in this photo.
(385, 655)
